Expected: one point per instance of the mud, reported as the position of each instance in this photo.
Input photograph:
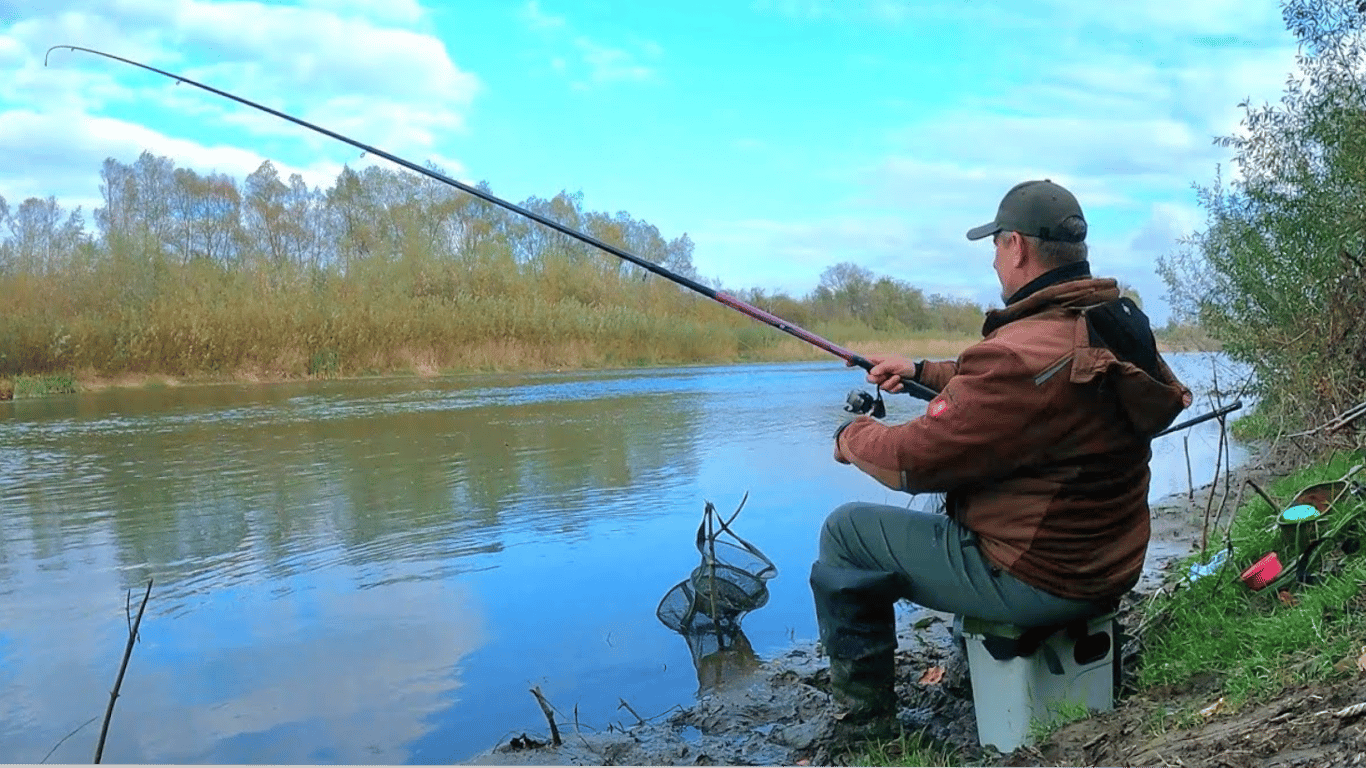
(782, 713)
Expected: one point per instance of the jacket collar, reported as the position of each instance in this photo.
(1074, 271)
(1069, 285)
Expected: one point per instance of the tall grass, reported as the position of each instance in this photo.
(1254, 644)
(201, 321)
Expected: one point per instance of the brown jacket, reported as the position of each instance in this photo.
(1041, 442)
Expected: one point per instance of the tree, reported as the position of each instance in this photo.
(679, 257)
(352, 219)
(264, 213)
(137, 210)
(35, 234)
(1279, 273)
(849, 288)
(207, 213)
(895, 304)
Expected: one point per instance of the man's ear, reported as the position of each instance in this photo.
(1018, 255)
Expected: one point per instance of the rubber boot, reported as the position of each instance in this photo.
(864, 687)
(855, 611)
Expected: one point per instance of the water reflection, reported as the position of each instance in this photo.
(312, 547)
(707, 608)
(721, 657)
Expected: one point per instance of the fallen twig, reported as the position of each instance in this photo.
(123, 667)
(1346, 418)
(639, 720)
(549, 715)
(1270, 501)
(1337, 422)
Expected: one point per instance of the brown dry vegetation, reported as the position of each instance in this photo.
(494, 357)
(205, 278)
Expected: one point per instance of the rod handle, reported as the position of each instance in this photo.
(910, 387)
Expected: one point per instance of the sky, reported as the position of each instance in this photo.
(782, 136)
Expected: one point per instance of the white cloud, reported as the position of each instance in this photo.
(63, 154)
(387, 11)
(310, 52)
(608, 65)
(793, 254)
(1167, 223)
(593, 62)
(342, 64)
(1060, 19)
(1226, 17)
(1122, 109)
(266, 50)
(928, 251)
(539, 19)
(893, 11)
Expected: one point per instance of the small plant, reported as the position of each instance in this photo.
(1060, 714)
(324, 364)
(914, 748)
(44, 386)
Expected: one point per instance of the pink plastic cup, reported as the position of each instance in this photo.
(1262, 572)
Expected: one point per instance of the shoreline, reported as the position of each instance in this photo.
(781, 712)
(786, 351)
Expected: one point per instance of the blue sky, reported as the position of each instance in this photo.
(783, 136)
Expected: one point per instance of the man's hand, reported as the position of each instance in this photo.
(889, 370)
(839, 455)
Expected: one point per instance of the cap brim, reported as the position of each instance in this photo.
(986, 230)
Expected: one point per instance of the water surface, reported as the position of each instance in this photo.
(378, 571)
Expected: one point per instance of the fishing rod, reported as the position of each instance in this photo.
(913, 388)
(1214, 414)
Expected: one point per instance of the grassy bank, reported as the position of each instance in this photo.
(24, 387)
(1245, 645)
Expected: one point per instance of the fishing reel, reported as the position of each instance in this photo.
(860, 402)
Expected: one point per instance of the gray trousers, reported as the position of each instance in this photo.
(872, 555)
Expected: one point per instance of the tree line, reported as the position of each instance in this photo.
(188, 274)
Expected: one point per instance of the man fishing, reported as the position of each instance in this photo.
(1036, 446)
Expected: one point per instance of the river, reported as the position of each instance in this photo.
(378, 571)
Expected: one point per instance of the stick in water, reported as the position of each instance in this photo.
(549, 715)
(118, 682)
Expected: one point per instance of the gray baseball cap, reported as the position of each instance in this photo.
(1035, 208)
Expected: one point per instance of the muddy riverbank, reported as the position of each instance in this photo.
(782, 713)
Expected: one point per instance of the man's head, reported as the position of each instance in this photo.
(1038, 226)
